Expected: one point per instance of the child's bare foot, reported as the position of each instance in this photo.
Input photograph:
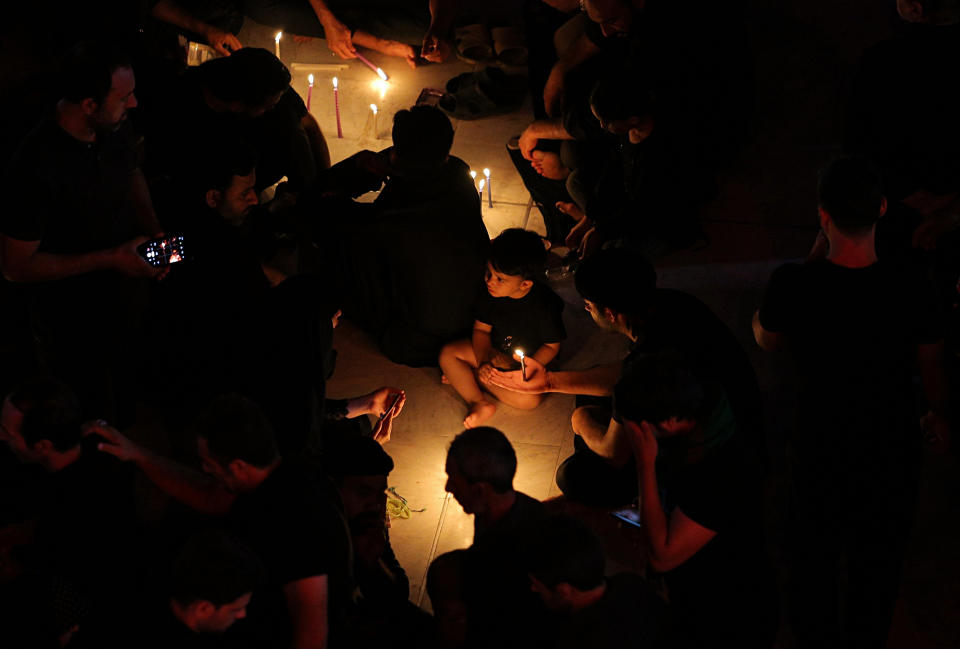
(548, 165)
(480, 411)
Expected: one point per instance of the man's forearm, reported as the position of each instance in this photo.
(168, 12)
(143, 205)
(442, 13)
(192, 488)
(549, 129)
(48, 267)
(597, 381)
(321, 9)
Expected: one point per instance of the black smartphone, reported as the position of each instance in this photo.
(629, 515)
(393, 405)
(163, 251)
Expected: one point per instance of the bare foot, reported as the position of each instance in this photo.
(548, 165)
(479, 413)
(444, 380)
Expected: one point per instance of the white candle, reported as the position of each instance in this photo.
(486, 173)
(276, 43)
(309, 90)
(523, 364)
(482, 181)
(373, 107)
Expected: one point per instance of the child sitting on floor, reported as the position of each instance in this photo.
(517, 314)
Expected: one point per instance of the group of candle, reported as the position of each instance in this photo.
(484, 182)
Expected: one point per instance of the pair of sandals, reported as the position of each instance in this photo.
(485, 93)
(477, 44)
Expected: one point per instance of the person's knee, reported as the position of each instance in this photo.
(528, 401)
(586, 417)
(453, 351)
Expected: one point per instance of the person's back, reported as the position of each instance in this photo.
(428, 245)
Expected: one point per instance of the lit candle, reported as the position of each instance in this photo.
(381, 86)
(309, 90)
(276, 43)
(473, 175)
(373, 107)
(336, 106)
(486, 173)
(523, 363)
(366, 62)
(482, 181)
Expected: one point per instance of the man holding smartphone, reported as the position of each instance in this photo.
(78, 207)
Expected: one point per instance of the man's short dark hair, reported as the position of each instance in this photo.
(50, 410)
(562, 549)
(657, 387)
(251, 76)
(214, 567)
(235, 428)
(617, 279)
(354, 455)
(422, 135)
(484, 454)
(87, 71)
(615, 99)
(235, 158)
(520, 252)
(850, 192)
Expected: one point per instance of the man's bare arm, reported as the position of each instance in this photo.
(22, 261)
(768, 340)
(307, 604)
(581, 50)
(169, 12)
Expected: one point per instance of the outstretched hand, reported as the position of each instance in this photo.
(222, 41)
(537, 381)
(339, 38)
(116, 444)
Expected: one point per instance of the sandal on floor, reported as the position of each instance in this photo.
(485, 93)
(509, 46)
(473, 43)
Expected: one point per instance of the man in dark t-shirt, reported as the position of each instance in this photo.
(77, 208)
(856, 328)
(698, 480)
(244, 96)
(481, 595)
(271, 504)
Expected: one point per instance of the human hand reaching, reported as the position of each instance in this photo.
(127, 261)
(338, 36)
(537, 381)
(435, 48)
(115, 443)
(222, 41)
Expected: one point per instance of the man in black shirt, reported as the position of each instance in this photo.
(245, 96)
(77, 209)
(856, 328)
(699, 501)
(275, 507)
(212, 584)
(481, 595)
(619, 291)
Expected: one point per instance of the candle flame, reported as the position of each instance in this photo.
(310, 79)
(482, 183)
(278, 37)
(373, 107)
(519, 352)
(380, 86)
(473, 174)
(335, 82)
(382, 74)
(486, 172)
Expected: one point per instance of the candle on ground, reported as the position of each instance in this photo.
(309, 90)
(373, 107)
(336, 106)
(276, 43)
(366, 62)
(523, 363)
(486, 173)
(482, 181)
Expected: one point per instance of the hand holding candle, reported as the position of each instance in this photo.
(522, 357)
(366, 62)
